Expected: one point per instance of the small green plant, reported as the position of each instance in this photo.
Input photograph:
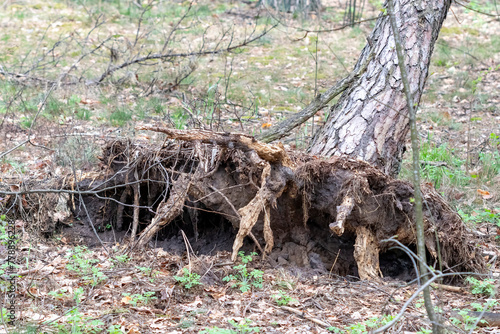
(490, 163)
(54, 107)
(3, 315)
(76, 322)
(244, 326)
(144, 270)
(114, 329)
(440, 165)
(465, 321)
(122, 258)
(4, 236)
(26, 122)
(245, 279)
(83, 114)
(95, 276)
(366, 326)
(484, 287)
(481, 216)
(74, 100)
(438, 175)
(239, 328)
(282, 299)
(179, 119)
(419, 303)
(120, 117)
(138, 299)
(81, 263)
(494, 140)
(59, 294)
(490, 303)
(147, 271)
(188, 280)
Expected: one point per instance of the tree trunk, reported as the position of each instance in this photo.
(370, 120)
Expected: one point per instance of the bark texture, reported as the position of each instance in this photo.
(370, 120)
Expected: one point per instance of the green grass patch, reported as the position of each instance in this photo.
(120, 117)
(450, 173)
(490, 164)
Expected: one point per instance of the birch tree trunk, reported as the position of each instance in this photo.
(370, 120)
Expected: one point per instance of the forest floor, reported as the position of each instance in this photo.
(63, 286)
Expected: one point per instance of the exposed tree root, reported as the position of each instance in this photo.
(167, 211)
(331, 214)
(366, 253)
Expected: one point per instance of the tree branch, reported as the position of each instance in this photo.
(268, 152)
(155, 56)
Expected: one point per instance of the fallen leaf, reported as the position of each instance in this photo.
(126, 300)
(266, 125)
(88, 101)
(125, 280)
(133, 330)
(484, 194)
(216, 293)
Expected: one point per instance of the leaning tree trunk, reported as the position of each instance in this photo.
(370, 120)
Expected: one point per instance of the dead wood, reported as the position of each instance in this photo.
(168, 210)
(271, 153)
(135, 223)
(450, 288)
(366, 253)
(285, 200)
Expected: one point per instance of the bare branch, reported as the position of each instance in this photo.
(163, 56)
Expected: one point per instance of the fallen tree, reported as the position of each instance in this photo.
(315, 211)
(331, 214)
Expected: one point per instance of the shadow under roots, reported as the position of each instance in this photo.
(306, 252)
(207, 233)
(397, 264)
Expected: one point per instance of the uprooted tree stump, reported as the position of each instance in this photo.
(331, 213)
